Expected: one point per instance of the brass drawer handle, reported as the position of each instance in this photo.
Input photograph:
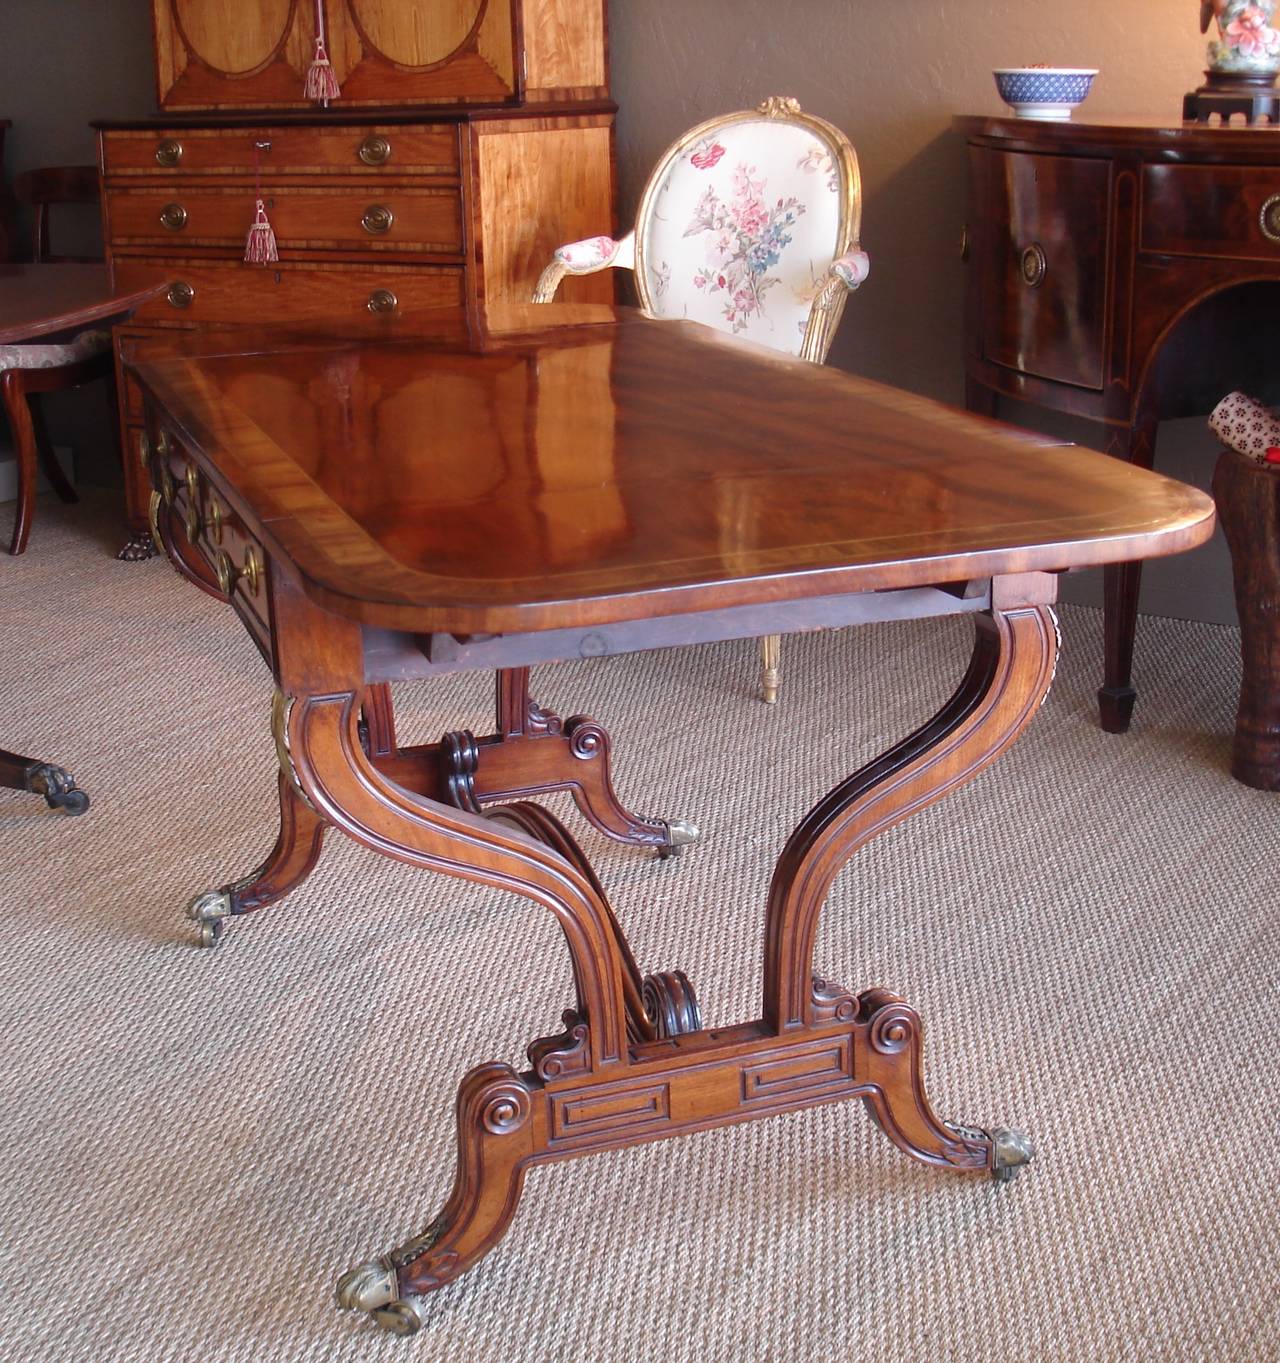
(193, 521)
(193, 505)
(144, 449)
(1269, 218)
(226, 571)
(252, 569)
(173, 217)
(375, 150)
(215, 519)
(377, 219)
(166, 485)
(1033, 265)
(169, 152)
(162, 444)
(383, 300)
(181, 294)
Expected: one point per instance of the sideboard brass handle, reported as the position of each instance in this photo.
(226, 571)
(144, 449)
(166, 485)
(377, 219)
(181, 294)
(215, 519)
(169, 152)
(1033, 265)
(1269, 218)
(193, 521)
(162, 444)
(173, 217)
(383, 300)
(252, 568)
(375, 150)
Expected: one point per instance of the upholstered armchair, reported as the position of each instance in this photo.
(749, 223)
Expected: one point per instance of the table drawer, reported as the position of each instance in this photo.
(231, 291)
(364, 151)
(1226, 211)
(372, 218)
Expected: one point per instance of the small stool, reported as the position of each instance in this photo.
(1248, 497)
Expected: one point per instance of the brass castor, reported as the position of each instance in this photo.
(680, 834)
(209, 910)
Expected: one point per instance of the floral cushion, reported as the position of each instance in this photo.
(582, 257)
(54, 354)
(1244, 424)
(742, 230)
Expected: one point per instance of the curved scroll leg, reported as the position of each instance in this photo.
(901, 1107)
(1009, 675)
(495, 1142)
(291, 860)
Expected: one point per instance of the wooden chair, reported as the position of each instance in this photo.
(32, 368)
(749, 223)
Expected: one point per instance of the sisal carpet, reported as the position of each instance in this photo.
(196, 1143)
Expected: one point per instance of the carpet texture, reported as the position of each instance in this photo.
(196, 1143)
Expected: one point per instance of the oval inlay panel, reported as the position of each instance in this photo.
(234, 38)
(416, 32)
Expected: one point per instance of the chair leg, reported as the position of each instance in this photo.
(44, 446)
(770, 662)
(14, 397)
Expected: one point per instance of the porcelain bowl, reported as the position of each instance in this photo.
(1043, 91)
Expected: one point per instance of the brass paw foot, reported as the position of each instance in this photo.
(372, 1287)
(680, 834)
(58, 788)
(209, 910)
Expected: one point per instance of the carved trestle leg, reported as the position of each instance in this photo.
(1009, 675)
(291, 860)
(817, 1043)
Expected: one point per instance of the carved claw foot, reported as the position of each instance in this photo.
(680, 834)
(58, 788)
(671, 1004)
(209, 910)
(1011, 1150)
(138, 547)
(372, 1287)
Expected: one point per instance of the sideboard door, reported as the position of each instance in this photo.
(1047, 245)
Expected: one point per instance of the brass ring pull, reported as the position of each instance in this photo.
(153, 516)
(252, 568)
(144, 449)
(226, 571)
(375, 150)
(166, 485)
(162, 444)
(383, 300)
(181, 294)
(1269, 218)
(377, 219)
(193, 481)
(1033, 265)
(215, 519)
(173, 217)
(169, 152)
(193, 521)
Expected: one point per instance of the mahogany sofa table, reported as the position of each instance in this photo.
(564, 482)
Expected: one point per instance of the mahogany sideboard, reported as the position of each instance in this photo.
(1120, 272)
(468, 140)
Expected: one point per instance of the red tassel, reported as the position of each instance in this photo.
(260, 244)
(321, 84)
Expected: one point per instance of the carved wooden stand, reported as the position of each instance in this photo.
(634, 1063)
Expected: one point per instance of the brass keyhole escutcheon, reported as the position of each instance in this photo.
(1269, 218)
(377, 219)
(169, 152)
(383, 300)
(173, 217)
(1033, 265)
(181, 294)
(375, 150)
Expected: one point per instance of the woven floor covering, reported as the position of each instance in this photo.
(196, 1143)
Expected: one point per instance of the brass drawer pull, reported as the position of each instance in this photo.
(383, 300)
(193, 521)
(1269, 218)
(375, 150)
(377, 219)
(181, 294)
(173, 217)
(169, 152)
(166, 485)
(226, 571)
(144, 449)
(1033, 265)
(162, 444)
(215, 519)
(252, 569)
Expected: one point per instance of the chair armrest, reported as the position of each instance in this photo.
(851, 268)
(589, 256)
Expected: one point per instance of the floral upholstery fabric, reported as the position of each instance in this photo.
(583, 257)
(53, 354)
(742, 231)
(1244, 424)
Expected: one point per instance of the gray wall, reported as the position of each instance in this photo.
(891, 76)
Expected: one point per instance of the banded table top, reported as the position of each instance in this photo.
(44, 300)
(553, 466)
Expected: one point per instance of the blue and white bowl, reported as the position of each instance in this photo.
(1043, 91)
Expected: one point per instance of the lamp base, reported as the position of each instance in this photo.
(1227, 93)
